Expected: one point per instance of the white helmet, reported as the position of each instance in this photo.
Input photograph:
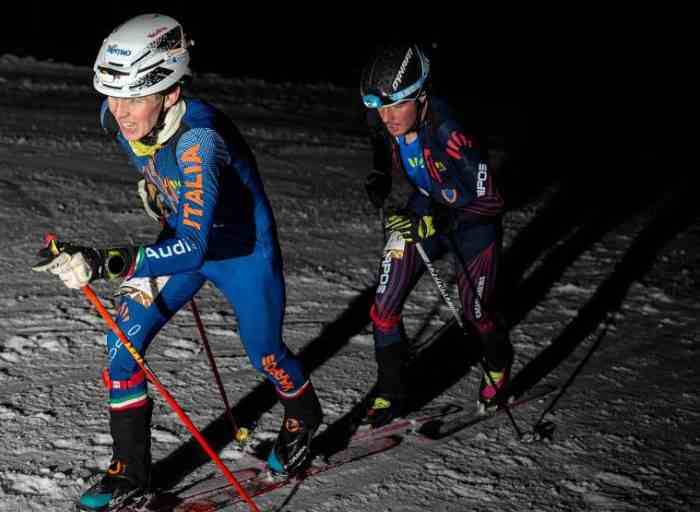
(142, 56)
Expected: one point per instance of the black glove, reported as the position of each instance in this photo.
(378, 186)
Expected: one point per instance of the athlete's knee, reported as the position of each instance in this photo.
(384, 320)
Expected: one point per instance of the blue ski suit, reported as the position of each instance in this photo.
(219, 227)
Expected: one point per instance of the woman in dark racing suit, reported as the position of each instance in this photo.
(440, 194)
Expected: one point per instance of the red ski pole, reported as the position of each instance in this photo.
(92, 297)
(240, 434)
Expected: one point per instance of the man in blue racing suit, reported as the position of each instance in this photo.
(200, 179)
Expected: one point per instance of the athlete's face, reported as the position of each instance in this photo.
(137, 116)
(399, 118)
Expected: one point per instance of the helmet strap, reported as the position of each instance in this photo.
(422, 100)
(168, 118)
(421, 110)
(151, 138)
(167, 126)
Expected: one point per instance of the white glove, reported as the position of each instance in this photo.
(73, 269)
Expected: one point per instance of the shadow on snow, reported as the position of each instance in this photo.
(597, 196)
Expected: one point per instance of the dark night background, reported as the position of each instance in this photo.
(581, 80)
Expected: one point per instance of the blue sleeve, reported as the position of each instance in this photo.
(201, 154)
(419, 204)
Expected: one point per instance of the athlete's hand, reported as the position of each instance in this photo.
(378, 186)
(75, 265)
(410, 227)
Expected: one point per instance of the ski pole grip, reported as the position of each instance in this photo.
(51, 241)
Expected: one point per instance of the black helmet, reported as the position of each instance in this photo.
(395, 73)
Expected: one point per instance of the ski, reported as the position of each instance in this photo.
(217, 493)
(435, 422)
(410, 422)
(441, 428)
(428, 424)
(166, 500)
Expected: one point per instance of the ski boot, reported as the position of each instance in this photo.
(498, 358)
(387, 403)
(292, 449)
(382, 410)
(128, 475)
(492, 381)
(113, 488)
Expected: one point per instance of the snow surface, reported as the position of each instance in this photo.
(601, 295)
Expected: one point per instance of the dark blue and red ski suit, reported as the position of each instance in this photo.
(219, 227)
(444, 174)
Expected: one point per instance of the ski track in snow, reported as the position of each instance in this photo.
(628, 435)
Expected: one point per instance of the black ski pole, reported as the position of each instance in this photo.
(240, 433)
(382, 219)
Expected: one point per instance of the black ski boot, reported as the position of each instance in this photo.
(302, 417)
(388, 400)
(128, 475)
(498, 359)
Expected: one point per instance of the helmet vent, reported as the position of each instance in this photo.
(151, 66)
(154, 77)
(141, 57)
(169, 40)
(115, 73)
